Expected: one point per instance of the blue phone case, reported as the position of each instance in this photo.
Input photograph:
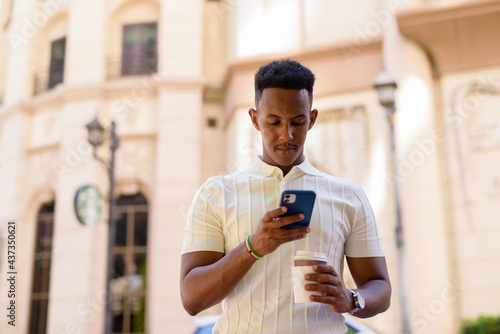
(298, 201)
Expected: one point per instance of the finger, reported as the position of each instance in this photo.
(325, 268)
(284, 237)
(286, 220)
(271, 215)
(324, 279)
(327, 278)
(332, 297)
(328, 289)
(324, 299)
(299, 232)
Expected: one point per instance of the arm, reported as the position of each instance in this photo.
(372, 281)
(208, 277)
(371, 277)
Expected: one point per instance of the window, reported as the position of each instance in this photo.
(56, 71)
(128, 287)
(139, 52)
(41, 270)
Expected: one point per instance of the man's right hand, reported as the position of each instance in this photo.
(269, 235)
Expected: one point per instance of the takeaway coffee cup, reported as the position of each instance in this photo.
(303, 262)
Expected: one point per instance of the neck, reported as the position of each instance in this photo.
(285, 169)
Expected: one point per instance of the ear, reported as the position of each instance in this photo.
(254, 117)
(312, 118)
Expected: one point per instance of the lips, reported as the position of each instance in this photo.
(286, 150)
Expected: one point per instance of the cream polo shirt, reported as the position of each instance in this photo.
(226, 209)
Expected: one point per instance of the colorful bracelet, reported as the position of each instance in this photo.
(250, 249)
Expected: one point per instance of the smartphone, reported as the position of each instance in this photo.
(298, 201)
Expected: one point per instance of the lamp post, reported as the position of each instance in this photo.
(96, 138)
(386, 88)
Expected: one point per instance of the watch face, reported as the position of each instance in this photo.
(361, 301)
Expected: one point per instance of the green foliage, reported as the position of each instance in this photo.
(481, 325)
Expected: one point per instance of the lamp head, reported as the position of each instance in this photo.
(386, 88)
(96, 132)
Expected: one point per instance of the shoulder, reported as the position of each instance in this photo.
(338, 181)
(221, 183)
(344, 187)
(353, 186)
(210, 188)
(332, 180)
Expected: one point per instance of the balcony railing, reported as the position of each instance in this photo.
(132, 65)
(117, 67)
(46, 80)
(41, 83)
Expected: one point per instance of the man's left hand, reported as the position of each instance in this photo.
(336, 294)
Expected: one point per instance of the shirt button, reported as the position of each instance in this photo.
(283, 183)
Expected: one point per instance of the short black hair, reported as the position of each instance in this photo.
(286, 74)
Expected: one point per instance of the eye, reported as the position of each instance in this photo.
(274, 123)
(298, 123)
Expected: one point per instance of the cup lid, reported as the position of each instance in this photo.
(307, 255)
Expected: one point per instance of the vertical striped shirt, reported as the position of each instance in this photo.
(226, 209)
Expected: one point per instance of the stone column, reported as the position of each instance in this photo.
(178, 162)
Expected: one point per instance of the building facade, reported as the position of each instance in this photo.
(177, 78)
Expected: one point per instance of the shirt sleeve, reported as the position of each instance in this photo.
(203, 231)
(364, 239)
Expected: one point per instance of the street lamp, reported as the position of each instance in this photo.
(386, 88)
(96, 133)
(96, 138)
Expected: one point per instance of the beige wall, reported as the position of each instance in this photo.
(274, 27)
(209, 52)
(45, 154)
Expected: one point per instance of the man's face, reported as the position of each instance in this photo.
(283, 118)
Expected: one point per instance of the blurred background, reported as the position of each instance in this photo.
(408, 93)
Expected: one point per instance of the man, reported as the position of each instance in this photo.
(234, 249)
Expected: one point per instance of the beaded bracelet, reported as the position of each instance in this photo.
(250, 249)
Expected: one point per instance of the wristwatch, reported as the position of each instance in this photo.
(359, 301)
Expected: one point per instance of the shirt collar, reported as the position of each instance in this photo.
(261, 169)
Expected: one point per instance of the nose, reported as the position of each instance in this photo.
(286, 134)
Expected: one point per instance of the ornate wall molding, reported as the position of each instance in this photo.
(476, 135)
(136, 159)
(43, 167)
